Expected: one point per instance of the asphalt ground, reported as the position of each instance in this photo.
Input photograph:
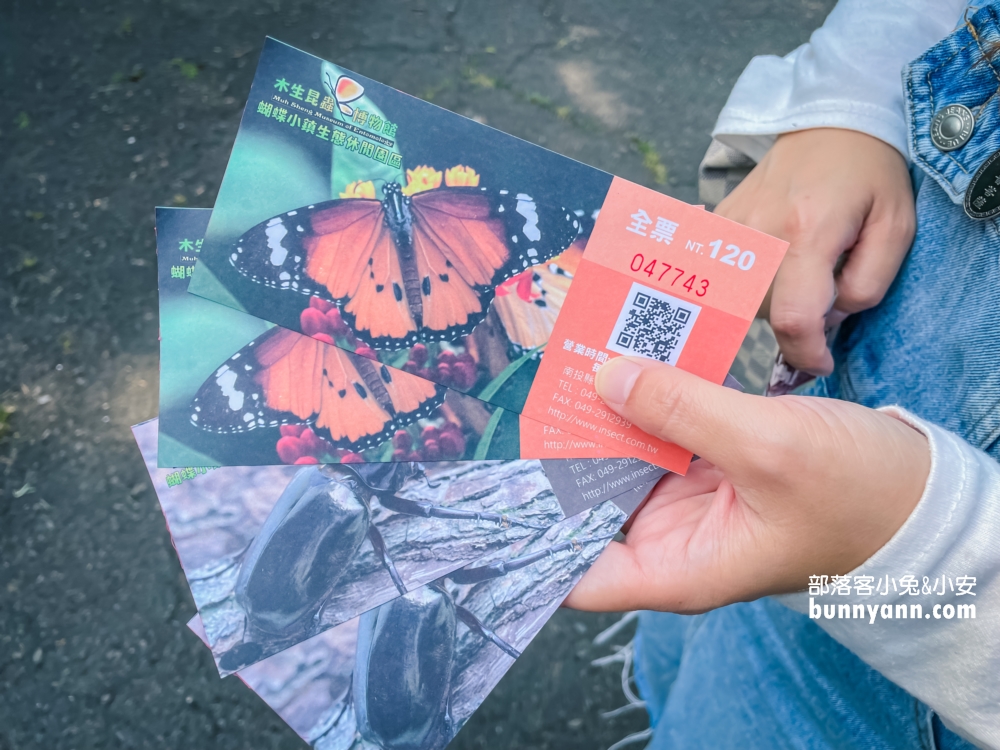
(110, 108)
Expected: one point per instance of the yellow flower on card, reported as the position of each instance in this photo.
(359, 189)
(461, 176)
(420, 179)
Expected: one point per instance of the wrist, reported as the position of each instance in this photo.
(916, 511)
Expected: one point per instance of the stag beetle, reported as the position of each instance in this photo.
(305, 546)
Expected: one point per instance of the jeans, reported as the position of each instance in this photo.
(758, 674)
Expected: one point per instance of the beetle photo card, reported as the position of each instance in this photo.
(467, 257)
(277, 554)
(237, 390)
(412, 671)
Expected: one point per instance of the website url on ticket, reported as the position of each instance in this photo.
(621, 437)
(612, 484)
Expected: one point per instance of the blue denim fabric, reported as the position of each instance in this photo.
(758, 674)
(932, 346)
(956, 71)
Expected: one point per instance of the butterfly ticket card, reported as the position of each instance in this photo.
(436, 246)
(237, 390)
(277, 554)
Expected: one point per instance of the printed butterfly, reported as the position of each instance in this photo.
(406, 269)
(284, 377)
(347, 90)
(529, 303)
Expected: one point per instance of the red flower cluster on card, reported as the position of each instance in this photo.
(449, 369)
(433, 444)
(322, 321)
(298, 444)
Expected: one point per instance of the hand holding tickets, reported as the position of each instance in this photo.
(785, 488)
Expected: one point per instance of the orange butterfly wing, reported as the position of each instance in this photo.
(458, 247)
(528, 303)
(313, 380)
(408, 392)
(341, 243)
(569, 259)
(352, 254)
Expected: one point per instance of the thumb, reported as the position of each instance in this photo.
(714, 422)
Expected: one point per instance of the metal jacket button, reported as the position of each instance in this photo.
(982, 198)
(952, 127)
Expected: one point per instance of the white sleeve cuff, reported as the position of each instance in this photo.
(847, 76)
(765, 103)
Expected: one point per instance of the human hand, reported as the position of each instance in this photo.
(786, 488)
(827, 192)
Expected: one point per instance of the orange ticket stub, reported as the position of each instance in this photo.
(659, 279)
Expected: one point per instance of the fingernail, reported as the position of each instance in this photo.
(615, 380)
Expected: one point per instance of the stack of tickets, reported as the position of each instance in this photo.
(380, 452)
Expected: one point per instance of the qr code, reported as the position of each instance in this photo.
(653, 324)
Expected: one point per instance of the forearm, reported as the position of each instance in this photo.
(953, 665)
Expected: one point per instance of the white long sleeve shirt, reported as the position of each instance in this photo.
(849, 76)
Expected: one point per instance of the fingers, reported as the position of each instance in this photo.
(614, 583)
(620, 581)
(803, 295)
(714, 422)
(702, 477)
(654, 568)
(885, 237)
(826, 191)
(873, 263)
(803, 290)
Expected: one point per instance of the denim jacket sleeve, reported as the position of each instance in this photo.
(933, 645)
(846, 76)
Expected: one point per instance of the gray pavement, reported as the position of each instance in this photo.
(111, 108)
